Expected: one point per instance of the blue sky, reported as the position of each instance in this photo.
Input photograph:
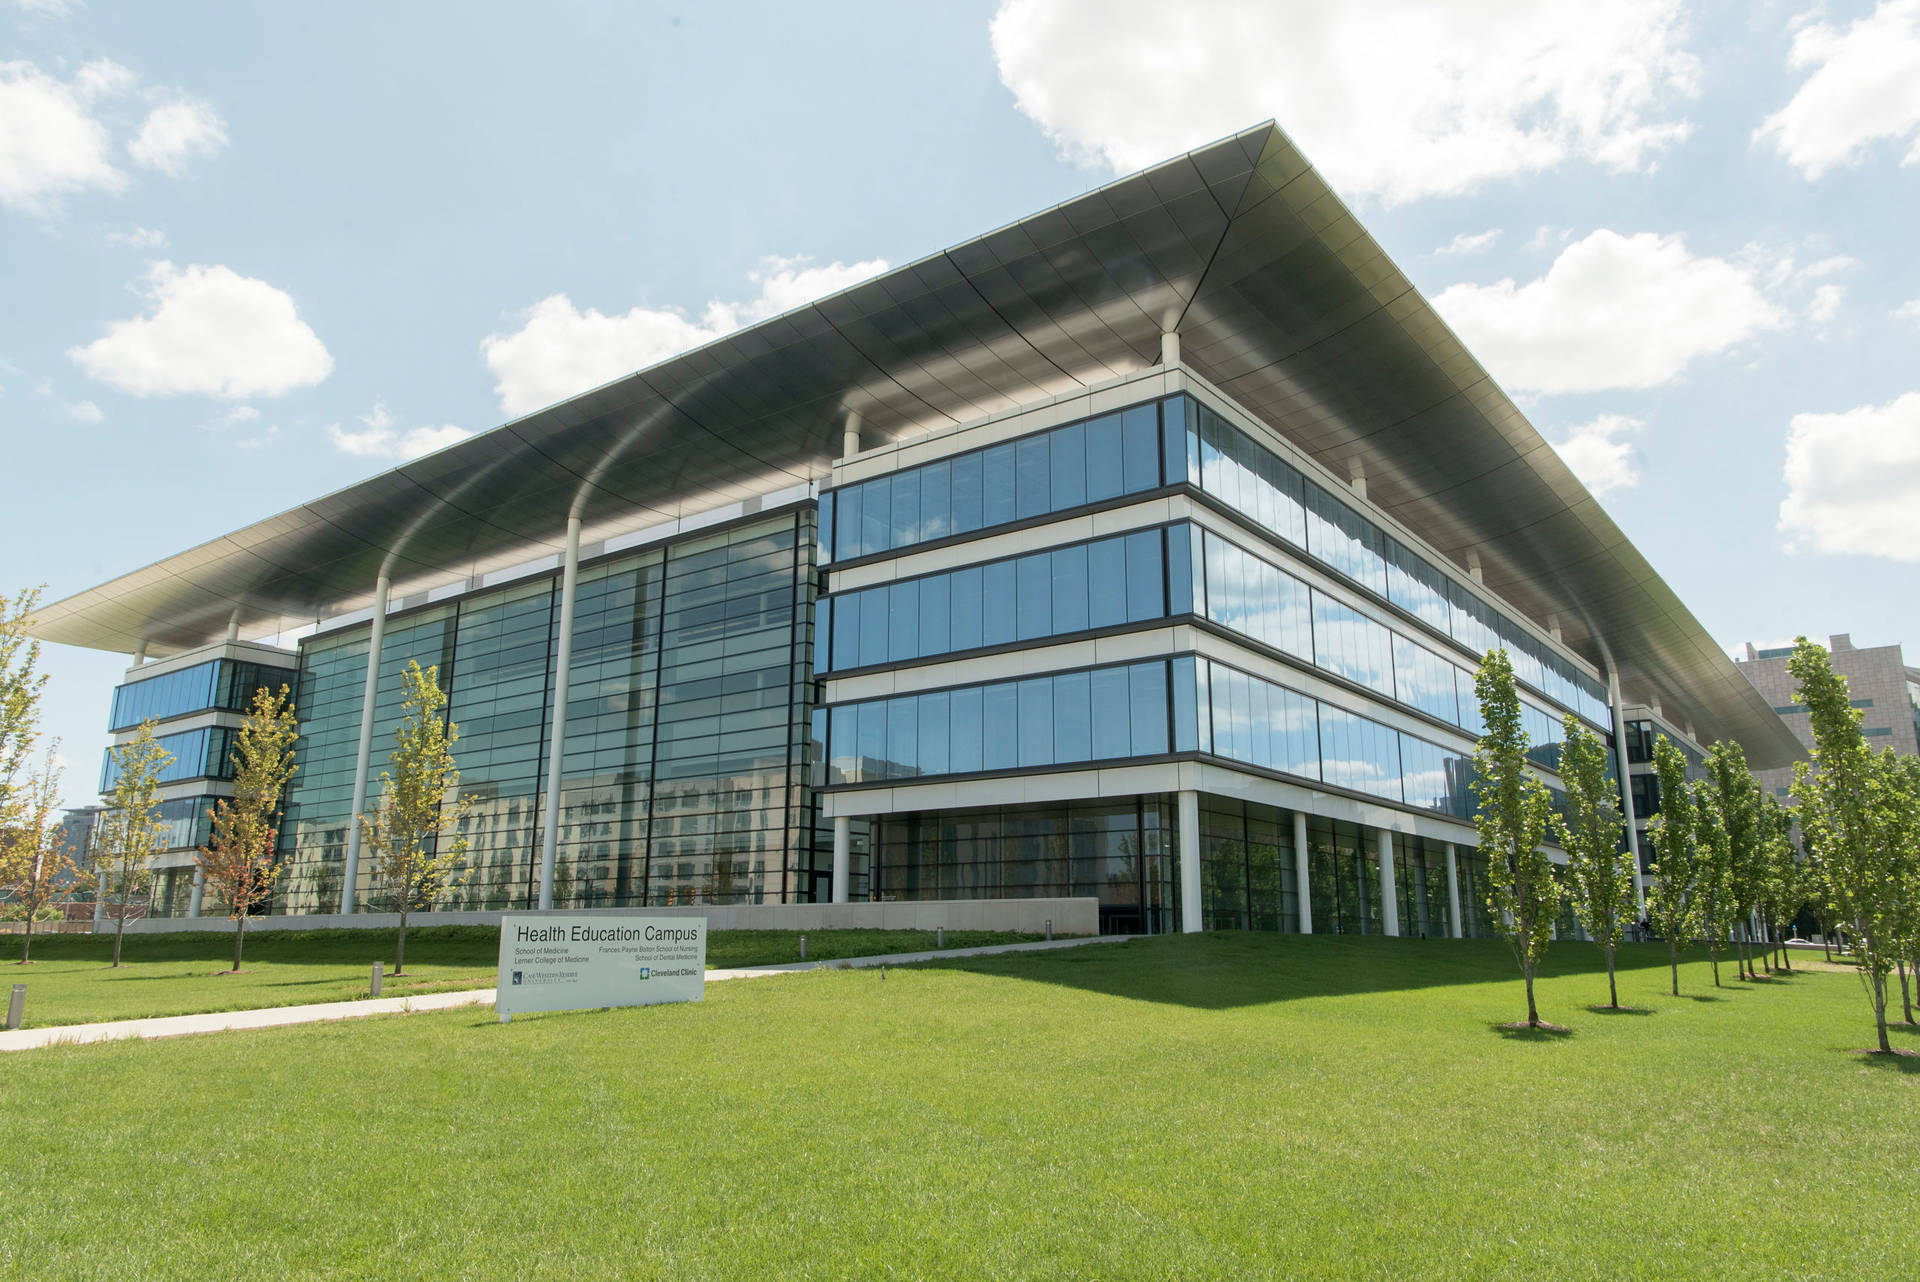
(251, 255)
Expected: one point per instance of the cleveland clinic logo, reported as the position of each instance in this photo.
(646, 972)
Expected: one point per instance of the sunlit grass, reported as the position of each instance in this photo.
(1222, 1106)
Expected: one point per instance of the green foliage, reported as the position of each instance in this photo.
(1712, 870)
(238, 860)
(414, 839)
(1673, 900)
(1599, 875)
(21, 684)
(1786, 886)
(130, 829)
(1523, 896)
(1852, 809)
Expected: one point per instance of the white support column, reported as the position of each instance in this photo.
(1626, 786)
(140, 653)
(1389, 901)
(1190, 862)
(233, 626)
(199, 892)
(850, 438)
(1302, 881)
(1453, 892)
(350, 874)
(1170, 349)
(842, 858)
(556, 745)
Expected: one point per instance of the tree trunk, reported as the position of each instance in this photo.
(1613, 992)
(1786, 961)
(1825, 947)
(239, 938)
(26, 946)
(1673, 961)
(1533, 1014)
(1906, 994)
(1876, 984)
(400, 947)
(120, 926)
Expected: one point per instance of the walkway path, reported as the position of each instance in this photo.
(21, 1039)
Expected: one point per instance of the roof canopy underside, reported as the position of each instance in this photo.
(1280, 298)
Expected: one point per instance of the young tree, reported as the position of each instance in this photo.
(1713, 871)
(1512, 819)
(20, 685)
(35, 863)
(1849, 818)
(1673, 908)
(1903, 799)
(1737, 793)
(130, 830)
(414, 840)
(238, 860)
(1784, 888)
(1598, 877)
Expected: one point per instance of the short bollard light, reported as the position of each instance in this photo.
(1049, 930)
(939, 936)
(803, 948)
(374, 991)
(17, 1006)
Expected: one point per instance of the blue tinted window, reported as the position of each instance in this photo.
(1416, 586)
(997, 603)
(903, 738)
(1180, 559)
(1072, 717)
(1032, 484)
(1173, 439)
(1105, 475)
(1069, 466)
(847, 542)
(1147, 686)
(874, 625)
(906, 508)
(936, 500)
(1002, 720)
(903, 611)
(1352, 645)
(1146, 577)
(965, 730)
(996, 485)
(843, 745)
(1140, 442)
(1112, 712)
(872, 748)
(1345, 540)
(964, 614)
(823, 632)
(1036, 721)
(1069, 589)
(1107, 587)
(1359, 754)
(1034, 594)
(966, 493)
(876, 515)
(1190, 702)
(936, 635)
(1423, 680)
(934, 758)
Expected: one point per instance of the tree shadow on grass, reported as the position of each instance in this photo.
(1522, 1032)
(1902, 1060)
(1621, 1010)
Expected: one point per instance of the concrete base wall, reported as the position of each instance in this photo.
(1079, 916)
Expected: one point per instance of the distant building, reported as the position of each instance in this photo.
(1879, 681)
(79, 827)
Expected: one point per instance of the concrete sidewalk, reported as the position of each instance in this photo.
(22, 1039)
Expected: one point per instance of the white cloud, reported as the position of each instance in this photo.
(85, 412)
(211, 331)
(382, 438)
(560, 351)
(1908, 311)
(1865, 87)
(1395, 99)
(137, 238)
(1600, 455)
(47, 8)
(1474, 243)
(1612, 311)
(1853, 481)
(1826, 303)
(51, 147)
(176, 132)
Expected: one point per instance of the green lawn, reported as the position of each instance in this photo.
(69, 981)
(1222, 1106)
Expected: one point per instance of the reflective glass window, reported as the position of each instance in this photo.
(936, 634)
(1345, 540)
(1424, 680)
(966, 731)
(1105, 460)
(1032, 482)
(1140, 441)
(876, 515)
(1192, 707)
(935, 733)
(874, 625)
(1072, 717)
(936, 500)
(1416, 586)
(903, 615)
(1069, 567)
(1107, 586)
(1359, 754)
(964, 613)
(1112, 712)
(967, 493)
(1068, 462)
(903, 738)
(1147, 686)
(1033, 588)
(1146, 576)
(848, 525)
(905, 525)
(1002, 720)
(1180, 553)
(996, 485)
(1347, 642)
(1036, 721)
(997, 603)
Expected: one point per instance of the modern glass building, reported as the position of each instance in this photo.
(1140, 550)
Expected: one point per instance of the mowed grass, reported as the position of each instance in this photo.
(1218, 1106)
(70, 981)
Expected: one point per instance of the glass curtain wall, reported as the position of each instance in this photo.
(1343, 867)
(217, 685)
(1119, 852)
(1247, 869)
(683, 775)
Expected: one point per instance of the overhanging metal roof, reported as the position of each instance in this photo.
(1280, 297)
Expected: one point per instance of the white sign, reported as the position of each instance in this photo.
(558, 961)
